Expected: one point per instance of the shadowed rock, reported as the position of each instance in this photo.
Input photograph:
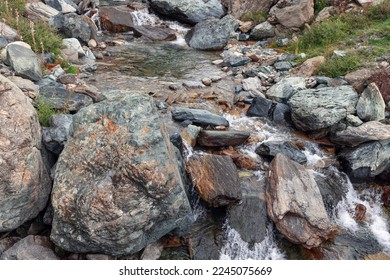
(199, 117)
(215, 138)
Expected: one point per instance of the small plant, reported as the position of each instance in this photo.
(45, 110)
(379, 12)
(257, 17)
(340, 66)
(73, 70)
(319, 5)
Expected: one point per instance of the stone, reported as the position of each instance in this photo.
(359, 79)
(236, 61)
(190, 134)
(364, 162)
(360, 212)
(369, 131)
(366, 3)
(24, 61)
(252, 85)
(3, 42)
(310, 66)
(6, 243)
(281, 114)
(283, 66)
(8, 33)
(215, 178)
(246, 26)
(239, 8)
(60, 98)
(285, 88)
(188, 11)
(63, 6)
(295, 205)
(193, 84)
(24, 178)
(73, 43)
(271, 148)
(260, 107)
(371, 106)
(154, 33)
(55, 136)
(315, 109)
(152, 251)
(122, 186)
(199, 117)
(241, 160)
(32, 247)
(292, 14)
(71, 55)
(92, 43)
(214, 138)
(98, 257)
(212, 33)
(27, 86)
(353, 120)
(262, 31)
(40, 11)
(116, 18)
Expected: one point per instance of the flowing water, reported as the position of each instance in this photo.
(174, 60)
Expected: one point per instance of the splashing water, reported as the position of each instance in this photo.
(237, 249)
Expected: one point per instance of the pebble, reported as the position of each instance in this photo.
(92, 43)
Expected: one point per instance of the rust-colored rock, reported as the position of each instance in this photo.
(216, 179)
(214, 138)
(116, 18)
(360, 212)
(310, 67)
(295, 204)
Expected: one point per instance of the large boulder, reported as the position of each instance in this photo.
(285, 88)
(116, 18)
(24, 180)
(188, 11)
(292, 14)
(238, 8)
(117, 185)
(32, 247)
(371, 106)
(212, 34)
(315, 109)
(199, 117)
(24, 61)
(295, 204)
(367, 160)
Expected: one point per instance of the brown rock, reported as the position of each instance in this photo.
(33, 247)
(240, 7)
(360, 212)
(293, 14)
(310, 67)
(386, 197)
(216, 179)
(359, 79)
(190, 134)
(154, 33)
(213, 138)
(378, 256)
(246, 26)
(116, 18)
(242, 161)
(40, 11)
(295, 204)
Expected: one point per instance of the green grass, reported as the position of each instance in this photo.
(319, 5)
(45, 111)
(339, 66)
(43, 32)
(73, 70)
(257, 16)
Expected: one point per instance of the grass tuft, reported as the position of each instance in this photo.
(45, 110)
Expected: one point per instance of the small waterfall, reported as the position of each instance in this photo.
(237, 249)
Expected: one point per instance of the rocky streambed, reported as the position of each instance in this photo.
(173, 153)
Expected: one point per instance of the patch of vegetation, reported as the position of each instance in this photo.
(73, 70)
(257, 16)
(319, 5)
(339, 66)
(45, 110)
(39, 35)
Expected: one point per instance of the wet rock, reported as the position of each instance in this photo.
(315, 109)
(285, 88)
(281, 114)
(212, 33)
(241, 160)
(293, 14)
(253, 227)
(60, 98)
(199, 117)
(359, 79)
(260, 107)
(188, 11)
(24, 61)
(369, 131)
(63, 6)
(216, 179)
(378, 256)
(360, 212)
(295, 204)
(262, 31)
(367, 160)
(386, 197)
(310, 66)
(288, 149)
(154, 33)
(31, 248)
(116, 18)
(24, 179)
(117, 186)
(214, 138)
(371, 106)
(190, 134)
(55, 137)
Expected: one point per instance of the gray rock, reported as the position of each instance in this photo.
(212, 33)
(281, 114)
(55, 137)
(58, 96)
(253, 85)
(236, 61)
(193, 84)
(73, 43)
(118, 177)
(6, 243)
(367, 160)
(262, 31)
(238, 8)
(24, 61)
(3, 42)
(31, 248)
(260, 107)
(24, 179)
(215, 178)
(8, 33)
(315, 109)
(353, 120)
(63, 6)
(294, 203)
(369, 131)
(190, 134)
(283, 66)
(152, 251)
(371, 106)
(199, 117)
(285, 88)
(188, 11)
(216, 138)
(288, 149)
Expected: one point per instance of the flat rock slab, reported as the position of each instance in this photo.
(117, 185)
(289, 149)
(199, 117)
(216, 138)
(154, 33)
(216, 179)
(371, 106)
(369, 131)
(294, 203)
